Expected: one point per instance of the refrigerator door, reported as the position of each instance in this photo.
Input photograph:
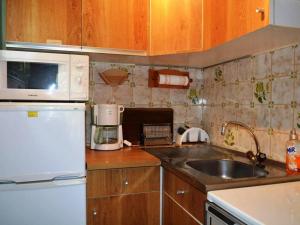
(47, 203)
(41, 141)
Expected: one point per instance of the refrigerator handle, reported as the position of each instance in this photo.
(7, 182)
(67, 177)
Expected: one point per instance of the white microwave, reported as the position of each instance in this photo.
(43, 76)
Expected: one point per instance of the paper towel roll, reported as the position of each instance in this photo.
(173, 80)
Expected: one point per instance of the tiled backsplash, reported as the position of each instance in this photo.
(135, 93)
(262, 91)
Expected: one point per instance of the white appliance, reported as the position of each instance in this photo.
(107, 129)
(43, 76)
(42, 164)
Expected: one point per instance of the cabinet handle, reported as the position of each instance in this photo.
(180, 192)
(95, 212)
(261, 11)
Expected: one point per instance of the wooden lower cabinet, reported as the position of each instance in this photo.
(185, 198)
(126, 196)
(174, 214)
(132, 209)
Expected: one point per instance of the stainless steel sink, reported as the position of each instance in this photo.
(227, 169)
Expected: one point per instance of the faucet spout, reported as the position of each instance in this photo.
(259, 157)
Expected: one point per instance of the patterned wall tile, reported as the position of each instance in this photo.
(278, 141)
(102, 94)
(178, 96)
(262, 117)
(230, 72)
(161, 96)
(246, 114)
(229, 112)
(194, 114)
(281, 118)
(123, 94)
(180, 114)
(245, 70)
(262, 65)
(141, 95)
(282, 61)
(264, 140)
(140, 76)
(244, 92)
(282, 90)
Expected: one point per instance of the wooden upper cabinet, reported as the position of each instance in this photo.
(175, 26)
(225, 20)
(117, 24)
(44, 21)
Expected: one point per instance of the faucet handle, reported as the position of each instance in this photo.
(250, 155)
(261, 157)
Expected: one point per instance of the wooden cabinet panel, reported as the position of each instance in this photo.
(175, 215)
(143, 179)
(175, 26)
(104, 182)
(118, 24)
(42, 21)
(134, 209)
(186, 195)
(225, 20)
(119, 181)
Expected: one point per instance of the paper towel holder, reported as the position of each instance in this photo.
(154, 78)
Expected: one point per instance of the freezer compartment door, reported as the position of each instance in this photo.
(59, 203)
(40, 141)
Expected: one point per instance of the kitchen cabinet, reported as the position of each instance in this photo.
(175, 26)
(183, 200)
(47, 21)
(225, 20)
(123, 196)
(116, 24)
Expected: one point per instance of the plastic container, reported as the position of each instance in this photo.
(293, 153)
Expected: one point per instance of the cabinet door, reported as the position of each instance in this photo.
(176, 215)
(225, 20)
(175, 26)
(46, 21)
(104, 182)
(191, 199)
(118, 24)
(133, 209)
(141, 179)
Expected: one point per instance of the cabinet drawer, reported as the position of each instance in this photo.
(122, 181)
(130, 209)
(104, 182)
(185, 195)
(142, 179)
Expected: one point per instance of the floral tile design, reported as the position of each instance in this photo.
(261, 91)
(229, 138)
(218, 74)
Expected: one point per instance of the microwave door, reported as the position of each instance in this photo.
(35, 77)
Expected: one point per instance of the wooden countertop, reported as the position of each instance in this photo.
(125, 157)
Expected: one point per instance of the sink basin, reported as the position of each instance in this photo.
(227, 169)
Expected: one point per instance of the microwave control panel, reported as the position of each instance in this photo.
(79, 79)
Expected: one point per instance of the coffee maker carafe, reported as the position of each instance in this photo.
(106, 127)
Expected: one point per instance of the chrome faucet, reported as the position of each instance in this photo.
(257, 158)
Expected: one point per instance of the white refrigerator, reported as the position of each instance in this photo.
(42, 164)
